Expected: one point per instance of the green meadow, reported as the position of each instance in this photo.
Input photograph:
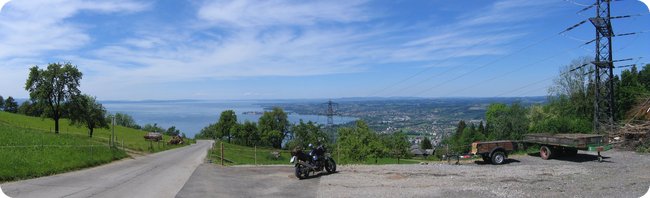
(29, 148)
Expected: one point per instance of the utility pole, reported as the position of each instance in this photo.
(604, 105)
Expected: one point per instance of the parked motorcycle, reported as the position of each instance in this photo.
(315, 161)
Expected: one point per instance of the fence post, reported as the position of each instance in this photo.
(338, 153)
(255, 152)
(221, 153)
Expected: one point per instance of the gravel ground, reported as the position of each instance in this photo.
(622, 174)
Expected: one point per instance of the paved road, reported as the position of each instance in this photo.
(158, 175)
(267, 181)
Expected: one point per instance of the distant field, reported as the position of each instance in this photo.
(242, 155)
(27, 153)
(132, 138)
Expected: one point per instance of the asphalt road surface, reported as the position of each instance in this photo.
(210, 180)
(158, 175)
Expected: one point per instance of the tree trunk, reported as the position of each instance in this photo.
(91, 132)
(56, 125)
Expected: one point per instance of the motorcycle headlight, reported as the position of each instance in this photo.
(315, 158)
(293, 159)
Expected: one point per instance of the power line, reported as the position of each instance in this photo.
(488, 64)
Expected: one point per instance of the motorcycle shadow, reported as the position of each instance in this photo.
(319, 174)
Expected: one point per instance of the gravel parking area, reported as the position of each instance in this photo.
(622, 174)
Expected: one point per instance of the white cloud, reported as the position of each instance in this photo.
(245, 13)
(30, 30)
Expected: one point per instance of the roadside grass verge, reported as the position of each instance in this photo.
(27, 153)
(243, 155)
(133, 139)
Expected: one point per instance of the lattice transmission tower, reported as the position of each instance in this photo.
(330, 112)
(604, 104)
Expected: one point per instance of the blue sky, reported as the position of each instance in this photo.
(277, 49)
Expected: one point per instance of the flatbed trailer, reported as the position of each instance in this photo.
(495, 152)
(551, 145)
(568, 144)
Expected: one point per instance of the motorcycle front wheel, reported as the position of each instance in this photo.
(301, 173)
(330, 166)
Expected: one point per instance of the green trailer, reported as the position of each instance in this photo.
(568, 144)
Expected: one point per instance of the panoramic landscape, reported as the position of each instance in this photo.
(356, 98)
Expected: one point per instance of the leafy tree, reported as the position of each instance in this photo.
(356, 143)
(426, 143)
(54, 87)
(85, 110)
(250, 134)
(2, 103)
(398, 145)
(226, 125)
(10, 105)
(153, 128)
(273, 138)
(208, 132)
(172, 131)
(272, 122)
(123, 119)
(628, 91)
(644, 76)
(306, 133)
(507, 122)
(30, 109)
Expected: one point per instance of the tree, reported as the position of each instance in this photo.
(54, 86)
(30, 109)
(85, 110)
(358, 142)
(207, 132)
(123, 119)
(172, 131)
(250, 133)
(226, 125)
(153, 128)
(10, 105)
(506, 122)
(273, 121)
(2, 103)
(307, 133)
(398, 145)
(426, 143)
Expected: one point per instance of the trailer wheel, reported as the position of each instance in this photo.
(498, 158)
(545, 152)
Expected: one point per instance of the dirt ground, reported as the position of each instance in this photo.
(622, 174)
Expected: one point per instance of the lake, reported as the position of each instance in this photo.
(190, 116)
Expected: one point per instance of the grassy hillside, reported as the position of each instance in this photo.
(27, 153)
(29, 148)
(132, 138)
